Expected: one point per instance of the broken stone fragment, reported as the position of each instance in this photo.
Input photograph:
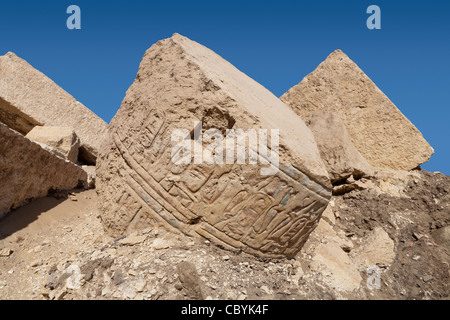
(132, 240)
(442, 236)
(63, 139)
(377, 249)
(187, 273)
(5, 252)
(342, 160)
(27, 171)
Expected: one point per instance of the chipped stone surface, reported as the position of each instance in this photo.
(28, 98)
(379, 131)
(132, 240)
(442, 237)
(180, 82)
(336, 267)
(340, 156)
(27, 171)
(191, 282)
(377, 249)
(90, 171)
(63, 139)
(5, 252)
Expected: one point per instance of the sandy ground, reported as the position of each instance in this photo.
(41, 234)
(55, 248)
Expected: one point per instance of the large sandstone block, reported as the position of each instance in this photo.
(338, 153)
(63, 139)
(28, 98)
(234, 205)
(27, 171)
(379, 131)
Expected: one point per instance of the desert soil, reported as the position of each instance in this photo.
(55, 248)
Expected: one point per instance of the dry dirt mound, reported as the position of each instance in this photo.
(416, 223)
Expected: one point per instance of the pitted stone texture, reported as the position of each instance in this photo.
(179, 82)
(338, 153)
(27, 171)
(29, 98)
(63, 139)
(379, 131)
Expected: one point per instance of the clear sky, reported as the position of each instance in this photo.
(277, 43)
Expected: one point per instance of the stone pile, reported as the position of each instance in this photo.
(46, 136)
(334, 132)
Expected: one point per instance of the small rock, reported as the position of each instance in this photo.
(427, 278)
(132, 240)
(5, 252)
(52, 281)
(178, 286)
(58, 295)
(45, 294)
(36, 263)
(231, 295)
(417, 235)
(265, 289)
(59, 195)
(187, 273)
(159, 244)
(346, 248)
(416, 258)
(226, 258)
(128, 292)
(11, 271)
(118, 278)
(74, 281)
(336, 214)
(106, 291)
(349, 234)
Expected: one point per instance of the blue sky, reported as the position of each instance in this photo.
(275, 42)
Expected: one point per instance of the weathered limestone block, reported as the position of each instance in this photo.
(28, 98)
(90, 182)
(379, 131)
(377, 249)
(338, 153)
(27, 171)
(234, 205)
(63, 139)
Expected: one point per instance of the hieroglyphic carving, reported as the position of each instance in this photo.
(258, 214)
